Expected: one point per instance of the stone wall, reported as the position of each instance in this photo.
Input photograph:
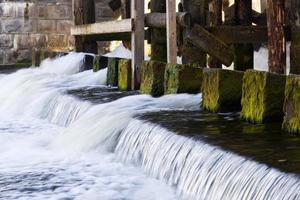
(39, 25)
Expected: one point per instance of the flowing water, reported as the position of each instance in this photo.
(57, 143)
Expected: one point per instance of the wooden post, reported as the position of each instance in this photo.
(216, 7)
(276, 36)
(243, 52)
(295, 39)
(125, 12)
(171, 32)
(197, 9)
(137, 40)
(158, 36)
(84, 13)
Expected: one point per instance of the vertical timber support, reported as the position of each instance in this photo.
(197, 9)
(243, 52)
(137, 40)
(126, 13)
(84, 13)
(295, 39)
(158, 36)
(171, 32)
(276, 36)
(216, 10)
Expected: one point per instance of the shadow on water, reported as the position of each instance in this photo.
(265, 143)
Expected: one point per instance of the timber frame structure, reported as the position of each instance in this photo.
(195, 31)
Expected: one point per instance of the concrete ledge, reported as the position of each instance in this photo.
(183, 79)
(221, 89)
(124, 74)
(291, 109)
(112, 72)
(263, 96)
(152, 78)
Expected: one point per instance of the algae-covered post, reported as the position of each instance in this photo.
(276, 36)
(84, 13)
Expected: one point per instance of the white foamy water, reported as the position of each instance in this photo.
(55, 146)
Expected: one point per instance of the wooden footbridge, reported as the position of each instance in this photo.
(210, 33)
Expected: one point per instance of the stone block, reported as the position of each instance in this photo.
(22, 41)
(221, 89)
(263, 96)
(29, 26)
(152, 78)
(64, 26)
(59, 11)
(46, 26)
(38, 40)
(58, 42)
(7, 10)
(112, 72)
(13, 25)
(183, 79)
(291, 121)
(125, 74)
(6, 40)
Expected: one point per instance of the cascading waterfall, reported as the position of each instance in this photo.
(68, 148)
(201, 171)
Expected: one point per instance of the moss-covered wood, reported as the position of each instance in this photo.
(221, 89)
(183, 79)
(101, 62)
(152, 78)
(291, 109)
(125, 74)
(263, 96)
(112, 71)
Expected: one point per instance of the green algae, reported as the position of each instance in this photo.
(291, 120)
(183, 79)
(112, 71)
(124, 74)
(221, 89)
(263, 96)
(152, 78)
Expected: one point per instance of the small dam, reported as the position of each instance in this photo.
(149, 100)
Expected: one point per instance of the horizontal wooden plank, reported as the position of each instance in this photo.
(243, 34)
(116, 26)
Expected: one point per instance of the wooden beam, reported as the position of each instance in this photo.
(159, 20)
(197, 9)
(137, 40)
(84, 13)
(295, 39)
(116, 26)
(276, 41)
(211, 45)
(158, 35)
(244, 34)
(216, 20)
(171, 32)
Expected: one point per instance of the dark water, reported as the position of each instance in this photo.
(265, 143)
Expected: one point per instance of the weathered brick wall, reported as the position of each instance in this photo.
(40, 25)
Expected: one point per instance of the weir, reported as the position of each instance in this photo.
(124, 126)
(112, 133)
